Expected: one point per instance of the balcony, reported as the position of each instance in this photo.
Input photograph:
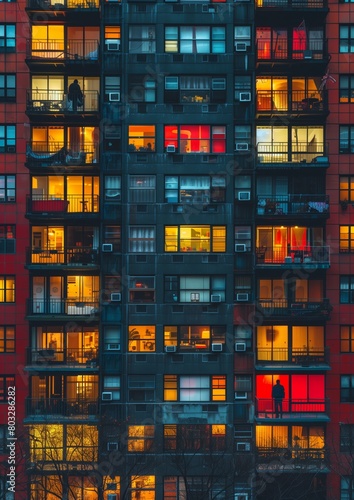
(47, 5)
(292, 4)
(47, 407)
(273, 308)
(272, 54)
(72, 358)
(291, 459)
(72, 204)
(70, 256)
(308, 206)
(60, 54)
(41, 103)
(307, 357)
(293, 409)
(305, 153)
(317, 257)
(44, 154)
(81, 307)
(298, 103)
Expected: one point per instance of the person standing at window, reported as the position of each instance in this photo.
(278, 394)
(75, 95)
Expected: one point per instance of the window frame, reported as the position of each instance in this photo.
(346, 289)
(5, 38)
(7, 138)
(6, 381)
(176, 238)
(211, 388)
(175, 39)
(7, 345)
(8, 92)
(347, 390)
(209, 144)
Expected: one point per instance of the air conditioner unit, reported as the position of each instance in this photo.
(113, 45)
(245, 96)
(116, 297)
(170, 348)
(241, 146)
(240, 46)
(170, 148)
(107, 247)
(244, 195)
(112, 446)
(240, 395)
(241, 496)
(114, 96)
(240, 346)
(243, 236)
(205, 108)
(243, 446)
(112, 496)
(307, 54)
(10, 149)
(217, 347)
(107, 396)
(240, 247)
(215, 298)
(113, 347)
(242, 297)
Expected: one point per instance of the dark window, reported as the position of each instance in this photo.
(6, 381)
(346, 88)
(347, 338)
(7, 188)
(7, 238)
(7, 87)
(346, 38)
(347, 388)
(7, 139)
(194, 438)
(3, 439)
(7, 339)
(347, 437)
(346, 488)
(7, 37)
(346, 287)
(346, 139)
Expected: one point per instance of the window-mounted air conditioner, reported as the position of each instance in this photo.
(107, 247)
(170, 348)
(242, 297)
(205, 108)
(170, 148)
(243, 446)
(116, 297)
(245, 96)
(240, 247)
(307, 54)
(240, 346)
(215, 298)
(113, 45)
(216, 347)
(244, 195)
(241, 146)
(113, 347)
(240, 395)
(112, 446)
(114, 96)
(241, 496)
(107, 396)
(240, 46)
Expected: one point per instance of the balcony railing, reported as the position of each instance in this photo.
(283, 152)
(293, 4)
(44, 154)
(62, 407)
(314, 408)
(290, 204)
(284, 307)
(63, 4)
(268, 50)
(309, 255)
(69, 204)
(71, 357)
(69, 307)
(283, 101)
(55, 256)
(303, 357)
(292, 457)
(55, 101)
(61, 51)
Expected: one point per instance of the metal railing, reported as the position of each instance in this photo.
(284, 307)
(272, 50)
(305, 356)
(283, 152)
(71, 203)
(70, 255)
(292, 4)
(73, 50)
(42, 153)
(292, 456)
(297, 100)
(264, 407)
(64, 407)
(318, 255)
(41, 101)
(72, 357)
(63, 4)
(69, 307)
(290, 204)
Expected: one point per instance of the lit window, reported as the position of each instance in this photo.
(195, 239)
(189, 289)
(346, 88)
(7, 87)
(140, 438)
(195, 39)
(347, 338)
(346, 188)
(7, 37)
(143, 488)
(141, 138)
(346, 239)
(141, 338)
(7, 289)
(48, 41)
(195, 189)
(194, 89)
(346, 289)
(194, 388)
(194, 338)
(142, 188)
(142, 239)
(196, 138)
(7, 339)
(346, 139)
(111, 384)
(346, 38)
(6, 382)
(7, 138)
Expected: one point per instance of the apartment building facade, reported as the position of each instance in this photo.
(177, 239)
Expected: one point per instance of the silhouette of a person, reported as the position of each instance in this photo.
(75, 95)
(278, 394)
